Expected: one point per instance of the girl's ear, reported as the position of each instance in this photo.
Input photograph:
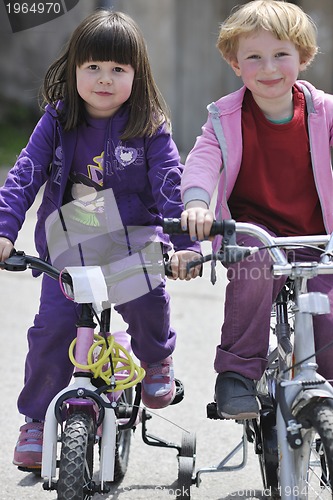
(235, 66)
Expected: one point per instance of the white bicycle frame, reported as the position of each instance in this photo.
(308, 304)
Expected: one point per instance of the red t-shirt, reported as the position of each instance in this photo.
(275, 186)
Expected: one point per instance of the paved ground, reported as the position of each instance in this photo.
(197, 309)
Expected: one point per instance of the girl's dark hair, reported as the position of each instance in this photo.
(107, 36)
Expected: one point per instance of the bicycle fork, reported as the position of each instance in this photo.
(302, 389)
(81, 387)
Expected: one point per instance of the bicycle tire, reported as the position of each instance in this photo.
(123, 441)
(268, 456)
(76, 458)
(185, 481)
(314, 460)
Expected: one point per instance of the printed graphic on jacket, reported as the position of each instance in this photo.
(84, 189)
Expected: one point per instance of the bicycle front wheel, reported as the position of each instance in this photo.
(314, 460)
(76, 458)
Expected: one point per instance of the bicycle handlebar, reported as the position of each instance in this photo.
(230, 252)
(19, 261)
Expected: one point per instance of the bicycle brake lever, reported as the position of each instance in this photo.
(235, 253)
(195, 263)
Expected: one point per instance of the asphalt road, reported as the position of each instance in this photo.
(197, 310)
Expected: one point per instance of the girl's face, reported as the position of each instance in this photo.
(268, 66)
(104, 86)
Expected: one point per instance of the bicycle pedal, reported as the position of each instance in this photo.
(179, 396)
(211, 411)
(33, 470)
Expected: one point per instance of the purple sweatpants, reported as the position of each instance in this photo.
(48, 368)
(249, 296)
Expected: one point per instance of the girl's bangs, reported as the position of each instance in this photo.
(106, 45)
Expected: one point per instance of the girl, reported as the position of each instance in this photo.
(105, 128)
(269, 176)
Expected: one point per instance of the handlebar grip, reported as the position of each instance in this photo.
(16, 262)
(167, 269)
(173, 226)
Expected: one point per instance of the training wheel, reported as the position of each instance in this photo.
(186, 463)
(188, 445)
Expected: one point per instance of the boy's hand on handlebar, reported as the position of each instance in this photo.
(178, 263)
(198, 220)
(6, 248)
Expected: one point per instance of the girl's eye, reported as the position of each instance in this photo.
(93, 66)
(117, 69)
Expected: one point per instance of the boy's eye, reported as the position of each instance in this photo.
(281, 54)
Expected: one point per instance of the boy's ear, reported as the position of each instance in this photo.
(304, 64)
(234, 64)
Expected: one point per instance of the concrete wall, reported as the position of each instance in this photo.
(181, 37)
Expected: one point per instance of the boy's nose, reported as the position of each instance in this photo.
(269, 65)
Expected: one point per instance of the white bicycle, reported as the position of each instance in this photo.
(293, 436)
(97, 409)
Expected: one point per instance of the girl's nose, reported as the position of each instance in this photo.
(105, 79)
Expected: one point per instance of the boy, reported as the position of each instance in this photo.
(260, 158)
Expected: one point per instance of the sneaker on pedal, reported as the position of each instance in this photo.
(158, 386)
(235, 397)
(28, 449)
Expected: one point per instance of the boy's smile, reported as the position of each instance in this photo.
(271, 82)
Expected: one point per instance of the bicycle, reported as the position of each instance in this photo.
(293, 435)
(98, 407)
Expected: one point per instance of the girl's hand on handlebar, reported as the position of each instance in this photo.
(178, 263)
(6, 248)
(197, 219)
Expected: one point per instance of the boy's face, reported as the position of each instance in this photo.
(268, 67)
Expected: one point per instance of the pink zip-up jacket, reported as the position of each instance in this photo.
(216, 157)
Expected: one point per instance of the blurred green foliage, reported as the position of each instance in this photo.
(16, 124)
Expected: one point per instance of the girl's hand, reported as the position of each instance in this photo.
(6, 247)
(198, 219)
(179, 261)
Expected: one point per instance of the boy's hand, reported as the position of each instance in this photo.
(198, 219)
(179, 261)
(6, 247)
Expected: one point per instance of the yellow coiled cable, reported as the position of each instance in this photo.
(100, 366)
